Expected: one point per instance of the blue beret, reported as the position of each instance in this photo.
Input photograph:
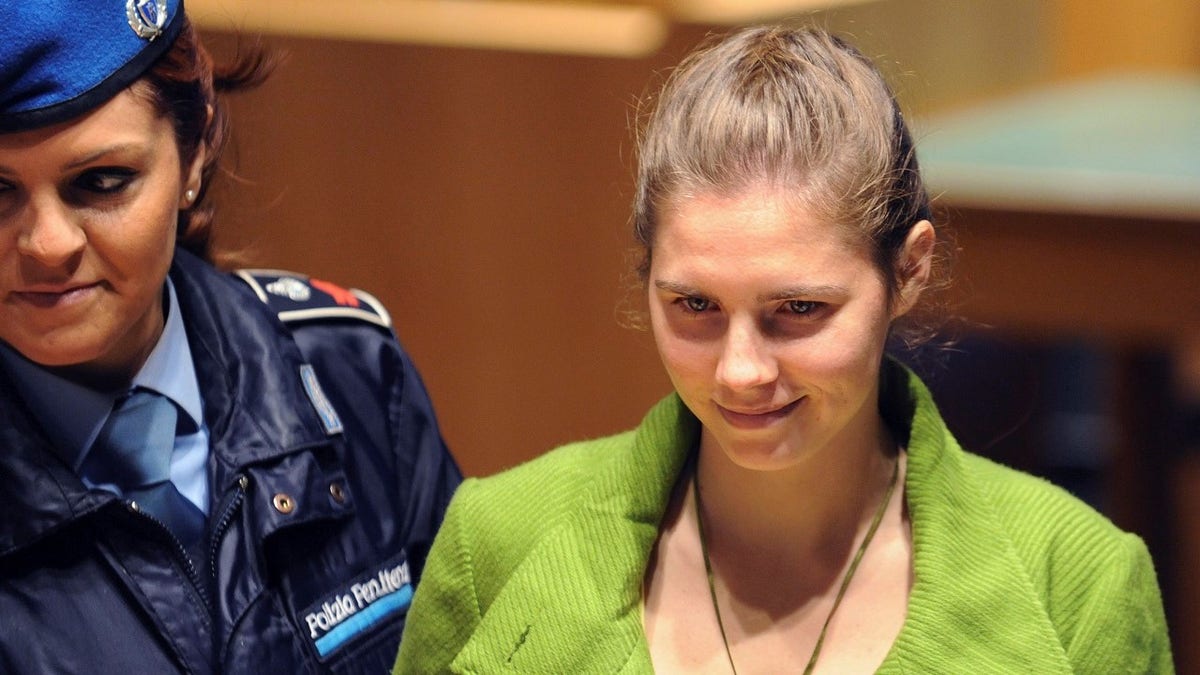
(62, 58)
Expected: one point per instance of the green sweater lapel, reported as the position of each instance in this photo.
(972, 601)
(574, 602)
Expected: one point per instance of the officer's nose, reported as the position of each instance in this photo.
(49, 232)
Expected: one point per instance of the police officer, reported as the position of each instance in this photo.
(199, 472)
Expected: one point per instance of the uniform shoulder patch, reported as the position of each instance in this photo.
(296, 297)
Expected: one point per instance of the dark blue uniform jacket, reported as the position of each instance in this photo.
(328, 479)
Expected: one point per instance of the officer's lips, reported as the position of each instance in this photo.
(47, 297)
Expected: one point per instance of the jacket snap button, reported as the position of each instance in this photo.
(284, 504)
(338, 494)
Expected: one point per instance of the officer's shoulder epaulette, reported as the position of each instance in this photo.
(296, 297)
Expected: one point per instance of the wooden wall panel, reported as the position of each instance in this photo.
(483, 196)
(1105, 279)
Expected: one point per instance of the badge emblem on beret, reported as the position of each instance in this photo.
(146, 17)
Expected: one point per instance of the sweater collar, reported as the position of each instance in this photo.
(971, 601)
(598, 552)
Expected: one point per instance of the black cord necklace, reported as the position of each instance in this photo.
(858, 555)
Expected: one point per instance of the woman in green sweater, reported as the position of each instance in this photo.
(797, 504)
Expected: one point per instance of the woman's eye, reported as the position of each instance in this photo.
(696, 305)
(802, 306)
(104, 181)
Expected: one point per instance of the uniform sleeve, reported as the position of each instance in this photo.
(434, 474)
(445, 610)
(1122, 628)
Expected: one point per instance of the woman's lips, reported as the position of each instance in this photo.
(757, 419)
(48, 299)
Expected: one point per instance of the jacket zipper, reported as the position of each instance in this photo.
(181, 557)
(227, 513)
(231, 508)
(232, 505)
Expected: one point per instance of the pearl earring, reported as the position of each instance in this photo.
(189, 196)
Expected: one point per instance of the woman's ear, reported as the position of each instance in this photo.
(194, 179)
(914, 266)
(195, 172)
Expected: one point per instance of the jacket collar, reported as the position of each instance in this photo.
(574, 603)
(246, 363)
(41, 493)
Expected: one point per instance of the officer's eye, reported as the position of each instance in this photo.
(104, 180)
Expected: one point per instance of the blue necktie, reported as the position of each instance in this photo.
(133, 452)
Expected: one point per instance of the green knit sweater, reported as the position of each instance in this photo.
(539, 569)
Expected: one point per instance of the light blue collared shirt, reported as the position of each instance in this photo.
(169, 370)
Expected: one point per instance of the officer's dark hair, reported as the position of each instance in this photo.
(183, 85)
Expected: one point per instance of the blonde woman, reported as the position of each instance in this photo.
(796, 504)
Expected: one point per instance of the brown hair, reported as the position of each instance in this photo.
(184, 84)
(798, 109)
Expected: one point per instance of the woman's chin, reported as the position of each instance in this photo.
(761, 454)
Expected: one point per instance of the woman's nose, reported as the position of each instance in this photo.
(746, 359)
(50, 233)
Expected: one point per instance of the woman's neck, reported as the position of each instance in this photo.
(811, 511)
